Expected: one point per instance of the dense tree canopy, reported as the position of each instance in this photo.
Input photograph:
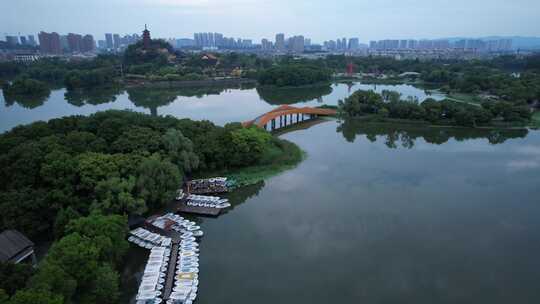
(294, 75)
(390, 105)
(78, 178)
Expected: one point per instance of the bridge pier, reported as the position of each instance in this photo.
(273, 124)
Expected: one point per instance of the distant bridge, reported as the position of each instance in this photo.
(287, 115)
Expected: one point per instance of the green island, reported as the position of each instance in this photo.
(75, 180)
(390, 107)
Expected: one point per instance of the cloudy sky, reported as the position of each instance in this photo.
(318, 19)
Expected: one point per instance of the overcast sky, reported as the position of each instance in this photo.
(256, 19)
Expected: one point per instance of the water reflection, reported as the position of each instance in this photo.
(153, 98)
(279, 96)
(219, 104)
(94, 97)
(406, 135)
(26, 101)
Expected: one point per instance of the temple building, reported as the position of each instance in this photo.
(146, 38)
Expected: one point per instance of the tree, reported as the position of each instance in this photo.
(62, 219)
(157, 181)
(180, 150)
(136, 138)
(14, 276)
(53, 278)
(433, 109)
(35, 297)
(360, 103)
(77, 256)
(3, 297)
(390, 96)
(106, 233)
(248, 146)
(465, 118)
(115, 196)
(106, 287)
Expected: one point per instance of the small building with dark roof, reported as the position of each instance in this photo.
(15, 247)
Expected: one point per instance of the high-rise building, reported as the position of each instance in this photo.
(403, 44)
(197, 38)
(354, 44)
(102, 44)
(116, 41)
(218, 39)
(49, 43)
(266, 45)
(296, 44)
(74, 42)
(307, 42)
(64, 45)
(23, 40)
(109, 40)
(88, 44)
(373, 45)
(412, 44)
(460, 44)
(31, 40)
(280, 42)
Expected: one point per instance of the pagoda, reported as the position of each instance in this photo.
(146, 38)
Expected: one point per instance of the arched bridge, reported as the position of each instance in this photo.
(287, 115)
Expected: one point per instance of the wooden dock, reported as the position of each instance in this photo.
(171, 271)
(184, 208)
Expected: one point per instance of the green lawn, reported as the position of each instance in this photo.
(467, 98)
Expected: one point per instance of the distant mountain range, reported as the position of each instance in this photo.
(518, 42)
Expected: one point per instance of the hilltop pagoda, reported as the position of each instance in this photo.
(146, 38)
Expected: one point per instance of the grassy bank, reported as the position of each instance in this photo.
(275, 161)
(466, 98)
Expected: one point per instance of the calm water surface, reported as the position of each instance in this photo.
(375, 214)
(219, 105)
(390, 219)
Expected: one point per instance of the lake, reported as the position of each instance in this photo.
(219, 105)
(376, 213)
(384, 214)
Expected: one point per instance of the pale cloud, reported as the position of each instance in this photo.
(520, 165)
(529, 150)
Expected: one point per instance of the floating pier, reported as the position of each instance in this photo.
(206, 211)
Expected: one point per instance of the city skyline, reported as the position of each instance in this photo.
(417, 19)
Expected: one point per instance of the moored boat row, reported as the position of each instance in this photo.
(187, 265)
(207, 201)
(154, 276)
(209, 185)
(147, 239)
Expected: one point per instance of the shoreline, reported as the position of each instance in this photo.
(185, 83)
(377, 119)
(290, 157)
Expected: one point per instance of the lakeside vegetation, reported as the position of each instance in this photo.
(294, 75)
(78, 178)
(390, 105)
(28, 92)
